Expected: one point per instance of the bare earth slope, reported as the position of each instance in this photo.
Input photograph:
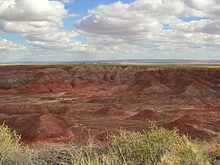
(56, 104)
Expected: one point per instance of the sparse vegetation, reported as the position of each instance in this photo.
(155, 147)
(58, 102)
(213, 150)
(11, 150)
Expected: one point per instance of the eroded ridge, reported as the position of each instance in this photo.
(56, 104)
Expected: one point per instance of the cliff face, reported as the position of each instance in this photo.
(58, 103)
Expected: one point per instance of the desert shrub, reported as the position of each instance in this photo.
(213, 150)
(11, 150)
(9, 143)
(185, 152)
(51, 155)
(88, 155)
(22, 156)
(158, 146)
(142, 148)
(69, 154)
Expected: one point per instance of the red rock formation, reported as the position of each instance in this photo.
(147, 115)
(56, 104)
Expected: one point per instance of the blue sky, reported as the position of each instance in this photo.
(49, 30)
(81, 6)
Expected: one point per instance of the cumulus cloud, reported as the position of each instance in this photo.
(68, 1)
(7, 46)
(26, 16)
(207, 8)
(62, 41)
(213, 27)
(40, 22)
(145, 16)
(131, 19)
(139, 26)
(143, 28)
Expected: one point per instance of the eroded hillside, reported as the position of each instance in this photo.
(55, 104)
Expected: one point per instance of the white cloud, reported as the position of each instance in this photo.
(62, 41)
(206, 8)
(68, 1)
(137, 18)
(147, 16)
(26, 16)
(8, 46)
(213, 27)
(40, 22)
(139, 27)
(203, 26)
(117, 30)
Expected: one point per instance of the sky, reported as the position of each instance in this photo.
(78, 30)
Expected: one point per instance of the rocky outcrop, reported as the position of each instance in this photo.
(56, 104)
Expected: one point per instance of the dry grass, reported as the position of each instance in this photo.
(155, 147)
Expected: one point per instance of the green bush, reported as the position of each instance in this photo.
(158, 146)
(155, 146)
(142, 148)
(213, 150)
(11, 151)
(9, 143)
(51, 155)
(185, 152)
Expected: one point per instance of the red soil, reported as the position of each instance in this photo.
(188, 125)
(56, 104)
(147, 115)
